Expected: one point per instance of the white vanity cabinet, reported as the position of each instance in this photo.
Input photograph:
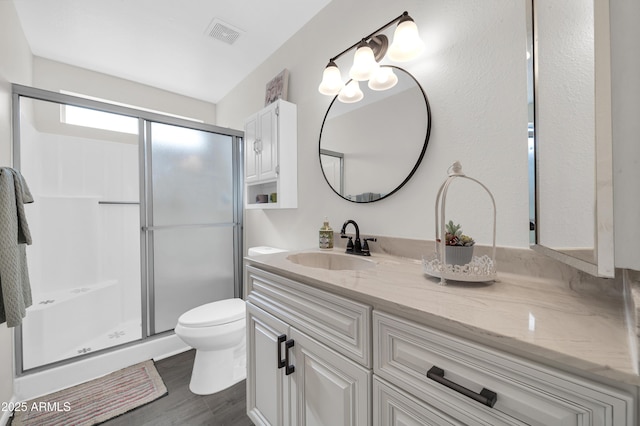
(302, 345)
(416, 363)
(270, 156)
(316, 358)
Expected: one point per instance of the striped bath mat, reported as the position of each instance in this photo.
(95, 401)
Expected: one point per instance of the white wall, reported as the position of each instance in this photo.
(15, 67)
(56, 76)
(474, 73)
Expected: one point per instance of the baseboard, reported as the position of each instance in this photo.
(172, 353)
(6, 414)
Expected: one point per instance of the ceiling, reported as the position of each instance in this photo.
(165, 43)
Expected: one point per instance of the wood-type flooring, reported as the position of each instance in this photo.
(183, 408)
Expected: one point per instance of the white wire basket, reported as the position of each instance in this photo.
(479, 268)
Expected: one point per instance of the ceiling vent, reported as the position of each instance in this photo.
(222, 31)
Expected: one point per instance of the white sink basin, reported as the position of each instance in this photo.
(331, 261)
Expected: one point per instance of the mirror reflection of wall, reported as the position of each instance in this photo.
(332, 163)
(565, 126)
(381, 140)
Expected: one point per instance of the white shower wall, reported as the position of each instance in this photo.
(81, 247)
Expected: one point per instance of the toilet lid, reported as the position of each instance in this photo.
(215, 313)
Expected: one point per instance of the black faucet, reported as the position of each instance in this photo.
(355, 247)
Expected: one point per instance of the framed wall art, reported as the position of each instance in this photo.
(277, 87)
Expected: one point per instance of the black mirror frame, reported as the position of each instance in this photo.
(420, 157)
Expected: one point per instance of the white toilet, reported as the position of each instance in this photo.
(217, 331)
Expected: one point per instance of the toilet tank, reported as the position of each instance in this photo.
(256, 251)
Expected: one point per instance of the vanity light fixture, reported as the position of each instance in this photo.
(370, 51)
(351, 93)
(407, 44)
(383, 79)
(364, 63)
(331, 80)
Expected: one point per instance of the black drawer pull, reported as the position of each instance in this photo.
(290, 368)
(281, 339)
(485, 396)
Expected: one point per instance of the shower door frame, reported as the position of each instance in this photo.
(146, 259)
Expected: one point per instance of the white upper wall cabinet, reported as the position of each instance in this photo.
(271, 157)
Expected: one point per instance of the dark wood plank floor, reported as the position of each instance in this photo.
(181, 407)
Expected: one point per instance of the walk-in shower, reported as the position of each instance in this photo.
(132, 225)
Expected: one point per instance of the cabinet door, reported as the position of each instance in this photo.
(268, 388)
(331, 389)
(251, 149)
(268, 142)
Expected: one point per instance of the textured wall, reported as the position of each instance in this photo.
(474, 73)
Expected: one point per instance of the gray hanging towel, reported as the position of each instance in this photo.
(15, 290)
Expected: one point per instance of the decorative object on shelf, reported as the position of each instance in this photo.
(447, 263)
(277, 88)
(406, 46)
(458, 247)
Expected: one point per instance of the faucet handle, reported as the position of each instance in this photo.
(365, 246)
(349, 243)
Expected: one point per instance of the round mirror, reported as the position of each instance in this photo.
(371, 148)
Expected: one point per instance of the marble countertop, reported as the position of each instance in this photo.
(580, 332)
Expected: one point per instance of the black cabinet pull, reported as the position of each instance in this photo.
(290, 368)
(485, 396)
(281, 339)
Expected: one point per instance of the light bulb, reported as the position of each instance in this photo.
(331, 80)
(364, 63)
(407, 43)
(351, 93)
(383, 79)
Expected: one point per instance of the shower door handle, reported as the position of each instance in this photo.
(281, 362)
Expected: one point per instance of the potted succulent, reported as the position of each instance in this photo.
(458, 247)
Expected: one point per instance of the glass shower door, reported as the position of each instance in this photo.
(84, 263)
(192, 221)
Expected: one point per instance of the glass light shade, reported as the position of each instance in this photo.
(407, 43)
(383, 79)
(364, 63)
(351, 93)
(331, 80)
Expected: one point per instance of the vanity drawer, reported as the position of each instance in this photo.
(340, 323)
(393, 407)
(526, 393)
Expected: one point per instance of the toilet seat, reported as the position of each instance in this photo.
(214, 313)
